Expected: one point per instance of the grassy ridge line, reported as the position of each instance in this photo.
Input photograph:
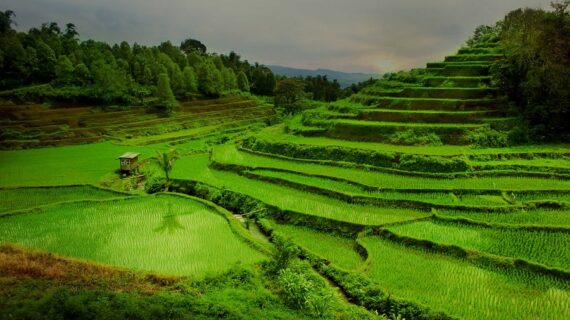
(207, 192)
(563, 173)
(235, 226)
(274, 135)
(477, 258)
(481, 224)
(38, 209)
(393, 155)
(351, 198)
(69, 186)
(216, 195)
(352, 165)
(192, 133)
(360, 289)
(370, 187)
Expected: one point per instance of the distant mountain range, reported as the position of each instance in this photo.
(344, 78)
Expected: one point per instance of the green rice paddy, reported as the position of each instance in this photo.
(164, 234)
(21, 198)
(339, 250)
(462, 289)
(547, 248)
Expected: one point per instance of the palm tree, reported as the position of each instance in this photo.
(166, 160)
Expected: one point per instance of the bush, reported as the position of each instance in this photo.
(486, 137)
(412, 162)
(154, 184)
(305, 291)
(536, 70)
(415, 137)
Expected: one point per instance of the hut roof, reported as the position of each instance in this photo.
(129, 155)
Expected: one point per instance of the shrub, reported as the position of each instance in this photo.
(305, 291)
(154, 184)
(536, 70)
(486, 137)
(412, 162)
(415, 137)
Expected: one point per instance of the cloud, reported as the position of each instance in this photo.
(357, 35)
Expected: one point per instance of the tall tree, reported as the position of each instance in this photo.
(230, 81)
(287, 93)
(165, 98)
(190, 80)
(242, 82)
(166, 160)
(64, 71)
(210, 81)
(192, 45)
(6, 21)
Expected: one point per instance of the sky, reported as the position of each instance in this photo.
(370, 36)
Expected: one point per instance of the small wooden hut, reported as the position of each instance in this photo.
(129, 162)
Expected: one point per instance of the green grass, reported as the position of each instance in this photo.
(79, 164)
(547, 248)
(538, 162)
(445, 198)
(538, 217)
(164, 234)
(274, 134)
(380, 124)
(340, 251)
(21, 198)
(196, 168)
(524, 197)
(229, 154)
(462, 289)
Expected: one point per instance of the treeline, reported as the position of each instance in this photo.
(120, 73)
(535, 74)
(291, 92)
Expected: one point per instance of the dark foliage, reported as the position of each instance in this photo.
(117, 74)
(535, 74)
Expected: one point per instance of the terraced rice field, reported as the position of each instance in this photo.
(339, 250)
(78, 164)
(447, 226)
(486, 213)
(229, 154)
(537, 217)
(164, 234)
(21, 198)
(547, 248)
(462, 289)
(196, 169)
(26, 126)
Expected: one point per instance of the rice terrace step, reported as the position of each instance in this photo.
(267, 192)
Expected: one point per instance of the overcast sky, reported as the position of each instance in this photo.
(347, 35)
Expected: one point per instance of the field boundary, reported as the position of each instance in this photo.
(475, 257)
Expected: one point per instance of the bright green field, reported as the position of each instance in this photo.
(165, 234)
(79, 164)
(21, 198)
(539, 217)
(446, 198)
(275, 134)
(462, 289)
(196, 168)
(547, 248)
(229, 154)
(340, 251)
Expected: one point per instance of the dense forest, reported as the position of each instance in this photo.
(535, 74)
(94, 71)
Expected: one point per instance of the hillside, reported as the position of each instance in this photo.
(344, 78)
(419, 197)
(400, 187)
